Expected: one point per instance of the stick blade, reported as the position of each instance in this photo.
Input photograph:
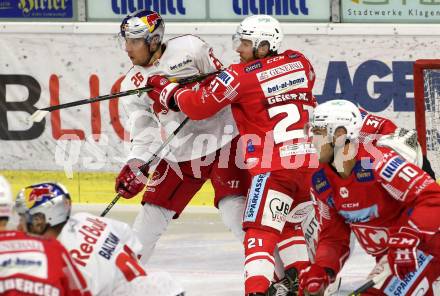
(38, 116)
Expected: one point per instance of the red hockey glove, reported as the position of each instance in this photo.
(163, 91)
(402, 252)
(314, 280)
(127, 184)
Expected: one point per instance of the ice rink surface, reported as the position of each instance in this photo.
(206, 258)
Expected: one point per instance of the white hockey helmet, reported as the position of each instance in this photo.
(144, 24)
(259, 28)
(5, 198)
(338, 113)
(49, 199)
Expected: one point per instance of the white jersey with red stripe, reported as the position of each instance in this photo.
(105, 251)
(37, 266)
(184, 56)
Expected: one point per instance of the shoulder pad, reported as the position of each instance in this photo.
(292, 54)
(389, 165)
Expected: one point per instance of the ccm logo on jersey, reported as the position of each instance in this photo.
(225, 78)
(391, 168)
(286, 68)
(285, 83)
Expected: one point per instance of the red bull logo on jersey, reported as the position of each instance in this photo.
(88, 236)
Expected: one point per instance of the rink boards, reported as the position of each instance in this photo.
(91, 187)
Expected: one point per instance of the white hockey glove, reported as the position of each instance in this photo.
(405, 143)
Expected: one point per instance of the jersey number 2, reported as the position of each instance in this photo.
(280, 132)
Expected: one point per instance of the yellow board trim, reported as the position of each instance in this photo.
(86, 187)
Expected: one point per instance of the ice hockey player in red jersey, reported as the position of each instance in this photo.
(384, 199)
(270, 94)
(385, 133)
(95, 244)
(33, 266)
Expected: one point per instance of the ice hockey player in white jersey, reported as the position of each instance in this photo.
(195, 155)
(104, 250)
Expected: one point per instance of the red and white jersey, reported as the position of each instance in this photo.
(375, 125)
(37, 266)
(383, 193)
(105, 251)
(185, 56)
(271, 102)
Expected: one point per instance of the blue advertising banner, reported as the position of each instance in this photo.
(36, 9)
(292, 10)
(168, 9)
(386, 11)
(212, 10)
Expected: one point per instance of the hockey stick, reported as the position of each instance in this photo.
(39, 114)
(370, 283)
(147, 164)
